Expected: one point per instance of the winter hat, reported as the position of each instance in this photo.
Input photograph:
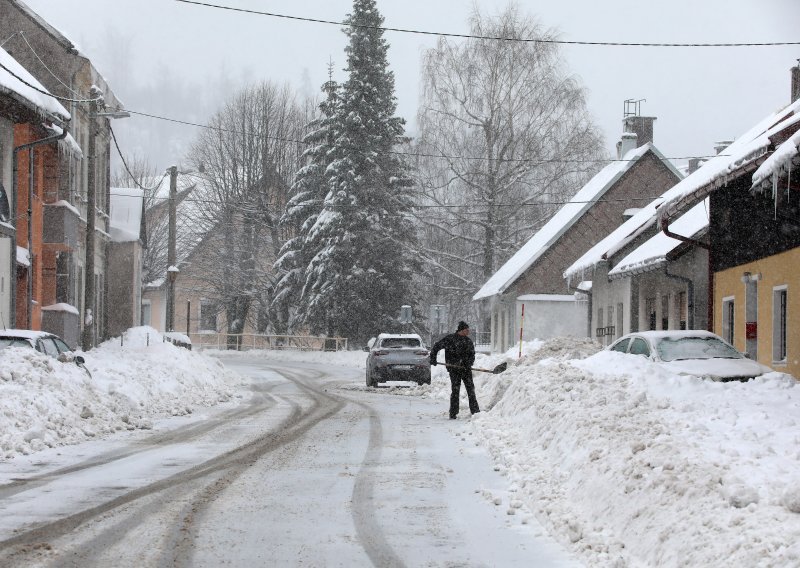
(462, 325)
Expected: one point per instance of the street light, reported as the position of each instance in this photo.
(87, 340)
(172, 275)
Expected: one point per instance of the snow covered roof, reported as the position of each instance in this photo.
(714, 173)
(40, 103)
(779, 161)
(561, 222)
(652, 254)
(546, 298)
(745, 151)
(126, 214)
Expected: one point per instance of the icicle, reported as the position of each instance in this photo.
(775, 194)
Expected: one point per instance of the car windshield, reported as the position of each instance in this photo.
(395, 342)
(680, 348)
(13, 342)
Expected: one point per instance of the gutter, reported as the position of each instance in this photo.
(664, 220)
(14, 193)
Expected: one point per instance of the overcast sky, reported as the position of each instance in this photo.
(194, 56)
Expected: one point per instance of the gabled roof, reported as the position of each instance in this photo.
(563, 220)
(652, 254)
(744, 154)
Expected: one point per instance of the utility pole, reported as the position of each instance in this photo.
(87, 339)
(171, 260)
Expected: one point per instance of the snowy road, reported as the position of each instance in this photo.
(312, 470)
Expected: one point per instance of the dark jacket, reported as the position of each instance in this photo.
(458, 350)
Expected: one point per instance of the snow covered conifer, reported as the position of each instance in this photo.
(309, 190)
(364, 237)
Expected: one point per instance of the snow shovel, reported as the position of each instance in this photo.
(499, 369)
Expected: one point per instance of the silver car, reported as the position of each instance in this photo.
(695, 353)
(42, 341)
(398, 357)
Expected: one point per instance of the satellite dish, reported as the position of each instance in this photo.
(5, 210)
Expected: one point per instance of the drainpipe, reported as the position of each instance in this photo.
(689, 293)
(665, 229)
(14, 192)
(589, 294)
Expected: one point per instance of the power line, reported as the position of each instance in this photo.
(409, 154)
(42, 91)
(295, 141)
(127, 169)
(499, 38)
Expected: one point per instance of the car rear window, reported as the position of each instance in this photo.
(13, 342)
(678, 348)
(396, 342)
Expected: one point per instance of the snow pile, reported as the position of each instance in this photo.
(622, 461)
(637, 467)
(134, 380)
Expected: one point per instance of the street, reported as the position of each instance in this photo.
(308, 468)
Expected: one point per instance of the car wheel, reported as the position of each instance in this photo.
(369, 379)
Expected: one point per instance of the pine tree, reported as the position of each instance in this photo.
(308, 193)
(364, 238)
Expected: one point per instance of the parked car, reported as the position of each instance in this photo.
(691, 352)
(44, 342)
(398, 357)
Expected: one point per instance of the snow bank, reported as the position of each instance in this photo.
(636, 467)
(45, 403)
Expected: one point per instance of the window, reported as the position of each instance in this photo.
(639, 347)
(600, 329)
(727, 319)
(682, 308)
(621, 346)
(47, 346)
(62, 347)
(665, 311)
(208, 315)
(146, 313)
(779, 300)
(620, 311)
(650, 312)
(610, 327)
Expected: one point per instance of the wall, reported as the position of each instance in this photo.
(561, 315)
(777, 270)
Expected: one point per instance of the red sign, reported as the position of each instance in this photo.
(751, 330)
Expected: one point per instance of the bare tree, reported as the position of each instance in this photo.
(504, 134)
(248, 155)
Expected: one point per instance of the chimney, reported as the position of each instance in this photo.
(694, 165)
(642, 126)
(721, 145)
(795, 82)
(626, 144)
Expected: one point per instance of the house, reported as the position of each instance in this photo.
(642, 278)
(31, 129)
(125, 260)
(205, 272)
(532, 277)
(58, 275)
(753, 193)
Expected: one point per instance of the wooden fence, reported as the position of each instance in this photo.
(248, 341)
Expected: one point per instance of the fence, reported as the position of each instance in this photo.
(248, 341)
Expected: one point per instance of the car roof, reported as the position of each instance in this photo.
(677, 333)
(400, 335)
(24, 333)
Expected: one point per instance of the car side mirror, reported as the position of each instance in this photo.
(79, 360)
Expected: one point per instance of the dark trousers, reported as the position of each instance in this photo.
(456, 377)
